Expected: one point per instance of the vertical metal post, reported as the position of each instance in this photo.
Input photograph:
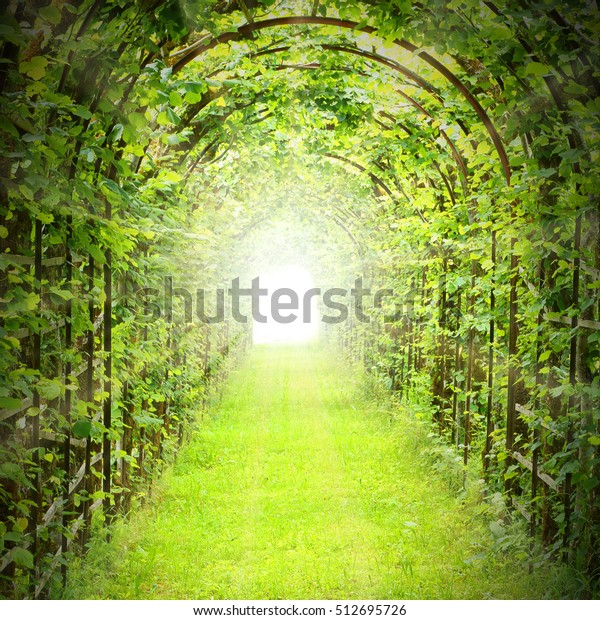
(402, 356)
(421, 345)
(107, 409)
(489, 425)
(181, 428)
(457, 366)
(205, 367)
(470, 366)
(127, 448)
(536, 431)
(89, 375)
(512, 352)
(572, 371)
(169, 318)
(36, 510)
(442, 342)
(67, 405)
(409, 355)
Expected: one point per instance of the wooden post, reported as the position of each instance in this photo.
(127, 448)
(410, 343)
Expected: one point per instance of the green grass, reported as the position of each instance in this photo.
(297, 487)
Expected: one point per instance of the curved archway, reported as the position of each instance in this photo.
(101, 108)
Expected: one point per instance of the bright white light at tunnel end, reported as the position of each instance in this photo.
(299, 280)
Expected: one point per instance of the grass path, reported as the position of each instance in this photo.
(295, 487)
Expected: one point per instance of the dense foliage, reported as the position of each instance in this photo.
(445, 150)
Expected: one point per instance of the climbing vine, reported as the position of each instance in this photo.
(444, 150)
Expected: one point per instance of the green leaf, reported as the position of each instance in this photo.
(173, 117)
(26, 191)
(544, 356)
(45, 218)
(9, 403)
(192, 97)
(137, 119)
(62, 293)
(537, 69)
(175, 99)
(7, 125)
(564, 389)
(14, 472)
(82, 112)
(51, 14)
(96, 253)
(575, 89)
(35, 68)
(82, 429)
(32, 301)
(10, 33)
(594, 440)
(49, 389)
(590, 483)
(168, 116)
(22, 557)
(34, 137)
(570, 467)
(88, 154)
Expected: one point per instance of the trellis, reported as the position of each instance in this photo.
(91, 464)
(91, 461)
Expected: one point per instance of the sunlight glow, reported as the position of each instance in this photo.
(298, 280)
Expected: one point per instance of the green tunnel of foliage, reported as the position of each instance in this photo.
(445, 150)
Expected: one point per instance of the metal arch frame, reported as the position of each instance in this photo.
(453, 79)
(400, 69)
(397, 67)
(374, 177)
(455, 152)
(245, 31)
(342, 215)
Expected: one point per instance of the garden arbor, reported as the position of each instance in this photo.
(447, 150)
